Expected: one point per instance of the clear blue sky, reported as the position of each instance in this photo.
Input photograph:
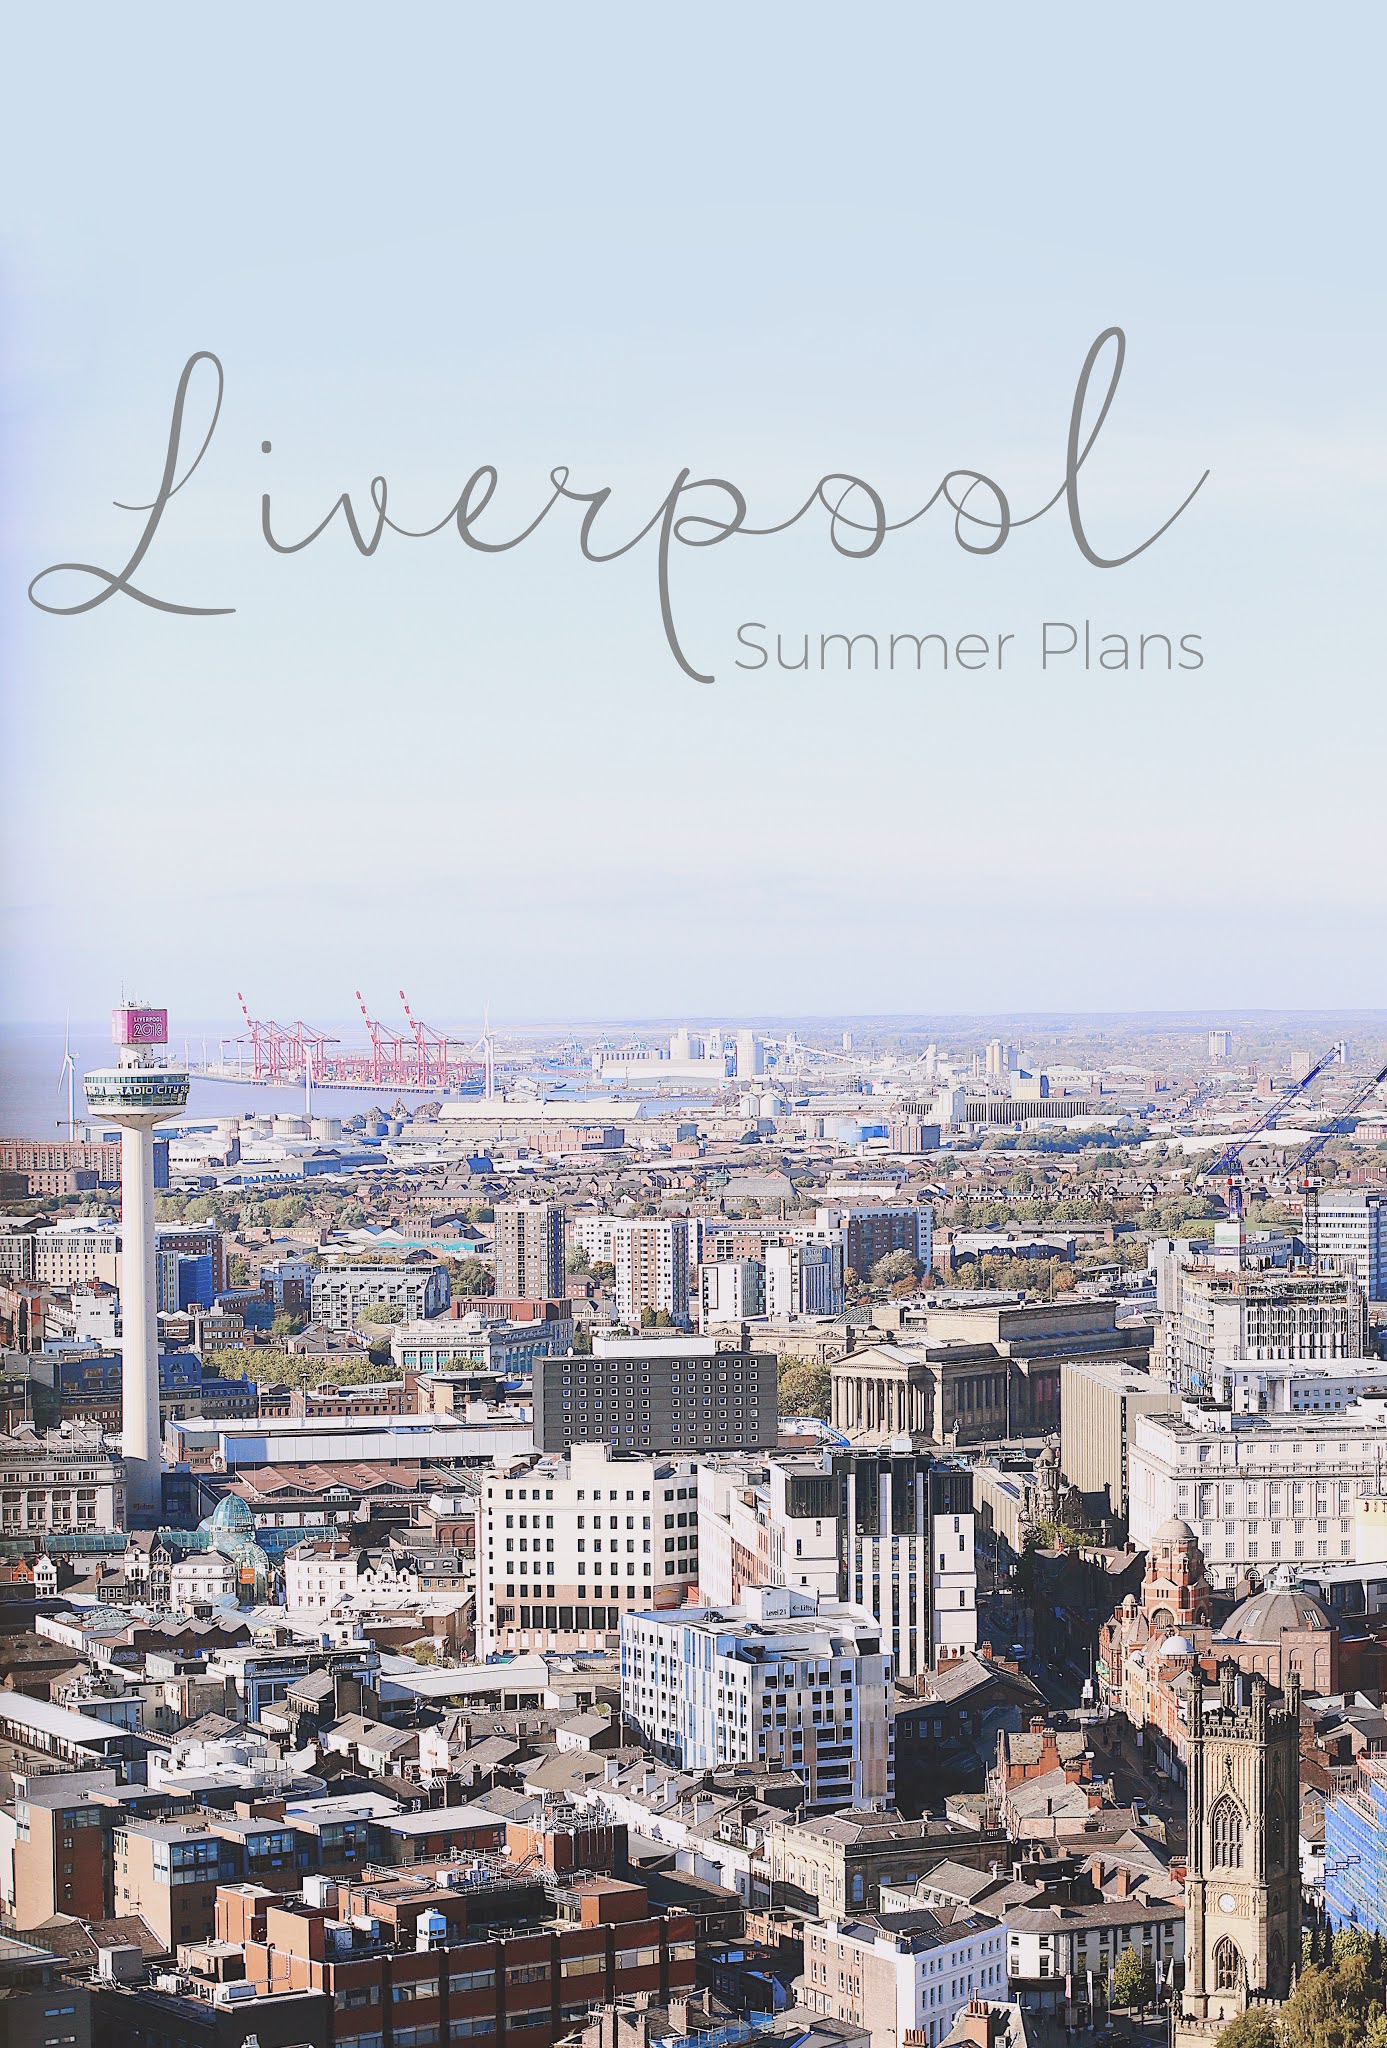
(765, 243)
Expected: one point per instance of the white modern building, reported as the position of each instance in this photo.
(785, 1678)
(729, 1291)
(417, 1285)
(1351, 1234)
(804, 1276)
(1236, 1309)
(136, 1095)
(1281, 1387)
(76, 1251)
(903, 1977)
(894, 1531)
(651, 1257)
(1258, 1490)
(567, 1546)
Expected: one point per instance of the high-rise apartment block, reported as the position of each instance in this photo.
(530, 1251)
(651, 1257)
(786, 1678)
(872, 1229)
(664, 1394)
(1351, 1235)
(568, 1545)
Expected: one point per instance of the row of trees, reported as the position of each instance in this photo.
(1338, 2001)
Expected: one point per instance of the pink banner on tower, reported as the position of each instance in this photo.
(133, 1025)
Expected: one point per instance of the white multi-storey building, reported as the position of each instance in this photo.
(417, 1285)
(319, 1572)
(804, 1275)
(75, 1252)
(1237, 1309)
(651, 1257)
(1258, 1490)
(568, 1545)
(729, 1291)
(201, 1579)
(903, 1979)
(1351, 1234)
(786, 1678)
(59, 1483)
(1279, 1387)
(893, 1532)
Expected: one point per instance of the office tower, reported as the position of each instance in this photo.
(136, 1095)
(1220, 1044)
(530, 1251)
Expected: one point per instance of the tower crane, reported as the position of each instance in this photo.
(1310, 1182)
(1228, 1162)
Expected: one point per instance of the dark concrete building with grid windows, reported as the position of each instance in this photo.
(671, 1394)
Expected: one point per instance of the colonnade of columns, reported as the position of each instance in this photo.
(865, 1401)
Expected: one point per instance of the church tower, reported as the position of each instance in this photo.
(1242, 1890)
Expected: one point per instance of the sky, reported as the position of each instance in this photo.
(765, 245)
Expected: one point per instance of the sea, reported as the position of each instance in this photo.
(33, 1091)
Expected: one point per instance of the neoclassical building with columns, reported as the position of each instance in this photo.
(941, 1393)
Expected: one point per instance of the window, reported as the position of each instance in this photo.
(1226, 1836)
(1228, 1965)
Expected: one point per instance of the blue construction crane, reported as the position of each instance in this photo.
(1229, 1162)
(1309, 1182)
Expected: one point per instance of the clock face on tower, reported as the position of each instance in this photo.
(1227, 1903)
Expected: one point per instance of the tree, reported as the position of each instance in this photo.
(1133, 1979)
(582, 1341)
(237, 1271)
(1336, 2007)
(382, 1312)
(577, 1260)
(1254, 2028)
(901, 1265)
(286, 1324)
(602, 1273)
(471, 1276)
(805, 1389)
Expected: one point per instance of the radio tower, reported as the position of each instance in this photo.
(136, 1095)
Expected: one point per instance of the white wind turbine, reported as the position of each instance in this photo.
(68, 1072)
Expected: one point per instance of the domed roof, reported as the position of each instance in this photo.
(1175, 1531)
(1263, 1618)
(1177, 1646)
(231, 1513)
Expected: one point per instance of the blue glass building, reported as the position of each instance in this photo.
(1355, 1852)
